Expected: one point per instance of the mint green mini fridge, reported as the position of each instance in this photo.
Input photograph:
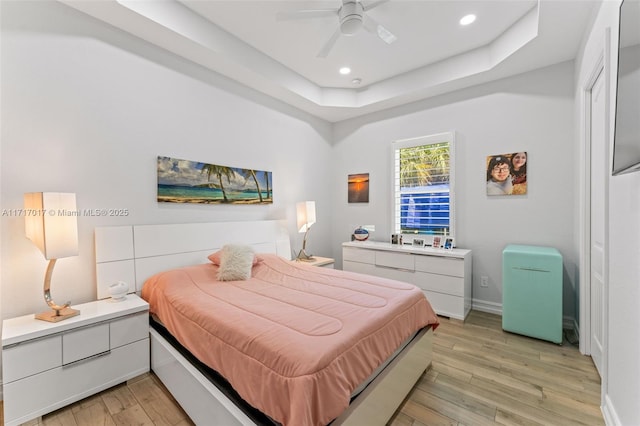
(532, 292)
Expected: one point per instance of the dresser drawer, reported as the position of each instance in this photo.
(445, 284)
(395, 260)
(443, 275)
(360, 268)
(358, 255)
(32, 357)
(404, 275)
(447, 305)
(84, 343)
(129, 329)
(440, 265)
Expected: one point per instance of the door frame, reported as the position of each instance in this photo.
(599, 65)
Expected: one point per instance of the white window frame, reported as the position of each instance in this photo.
(408, 143)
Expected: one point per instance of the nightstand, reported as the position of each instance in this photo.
(46, 366)
(324, 262)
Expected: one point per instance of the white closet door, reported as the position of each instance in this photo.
(599, 170)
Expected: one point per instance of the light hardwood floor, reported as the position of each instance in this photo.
(140, 401)
(480, 376)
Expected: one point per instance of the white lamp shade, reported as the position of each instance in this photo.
(51, 223)
(306, 214)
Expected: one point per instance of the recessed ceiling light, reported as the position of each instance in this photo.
(468, 19)
(356, 81)
(345, 70)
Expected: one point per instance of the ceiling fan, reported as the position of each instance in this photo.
(351, 18)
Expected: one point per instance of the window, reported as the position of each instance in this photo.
(423, 183)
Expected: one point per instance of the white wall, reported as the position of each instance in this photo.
(531, 112)
(621, 386)
(87, 108)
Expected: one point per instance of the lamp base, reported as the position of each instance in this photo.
(308, 259)
(57, 316)
(304, 257)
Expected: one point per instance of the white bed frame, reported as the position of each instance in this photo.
(134, 253)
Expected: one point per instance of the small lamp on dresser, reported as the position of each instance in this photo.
(306, 216)
(51, 224)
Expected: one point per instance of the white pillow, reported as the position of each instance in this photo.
(235, 262)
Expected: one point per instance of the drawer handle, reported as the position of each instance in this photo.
(395, 269)
(89, 358)
(531, 269)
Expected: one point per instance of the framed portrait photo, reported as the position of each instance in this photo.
(449, 243)
(507, 173)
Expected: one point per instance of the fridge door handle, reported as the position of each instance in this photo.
(530, 269)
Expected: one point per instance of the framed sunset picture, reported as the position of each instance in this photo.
(358, 188)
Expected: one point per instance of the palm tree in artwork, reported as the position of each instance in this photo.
(266, 179)
(252, 174)
(218, 172)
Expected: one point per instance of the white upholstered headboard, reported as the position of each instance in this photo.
(133, 253)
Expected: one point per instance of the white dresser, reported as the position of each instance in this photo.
(443, 275)
(46, 366)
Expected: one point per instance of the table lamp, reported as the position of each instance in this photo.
(51, 224)
(306, 215)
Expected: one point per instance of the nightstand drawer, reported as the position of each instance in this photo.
(46, 365)
(129, 329)
(55, 388)
(84, 343)
(32, 357)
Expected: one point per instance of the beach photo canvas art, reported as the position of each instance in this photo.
(186, 181)
(358, 188)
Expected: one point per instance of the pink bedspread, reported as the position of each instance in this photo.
(295, 340)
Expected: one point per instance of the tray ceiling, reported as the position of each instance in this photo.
(433, 53)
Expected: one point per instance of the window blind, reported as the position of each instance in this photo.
(422, 187)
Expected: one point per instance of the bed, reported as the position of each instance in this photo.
(354, 374)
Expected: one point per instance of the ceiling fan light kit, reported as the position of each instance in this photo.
(350, 15)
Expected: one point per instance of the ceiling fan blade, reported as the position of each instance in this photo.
(372, 5)
(374, 27)
(329, 44)
(305, 14)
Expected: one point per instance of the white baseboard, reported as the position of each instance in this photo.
(576, 328)
(496, 308)
(609, 413)
(485, 306)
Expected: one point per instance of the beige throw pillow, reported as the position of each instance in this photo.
(235, 262)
